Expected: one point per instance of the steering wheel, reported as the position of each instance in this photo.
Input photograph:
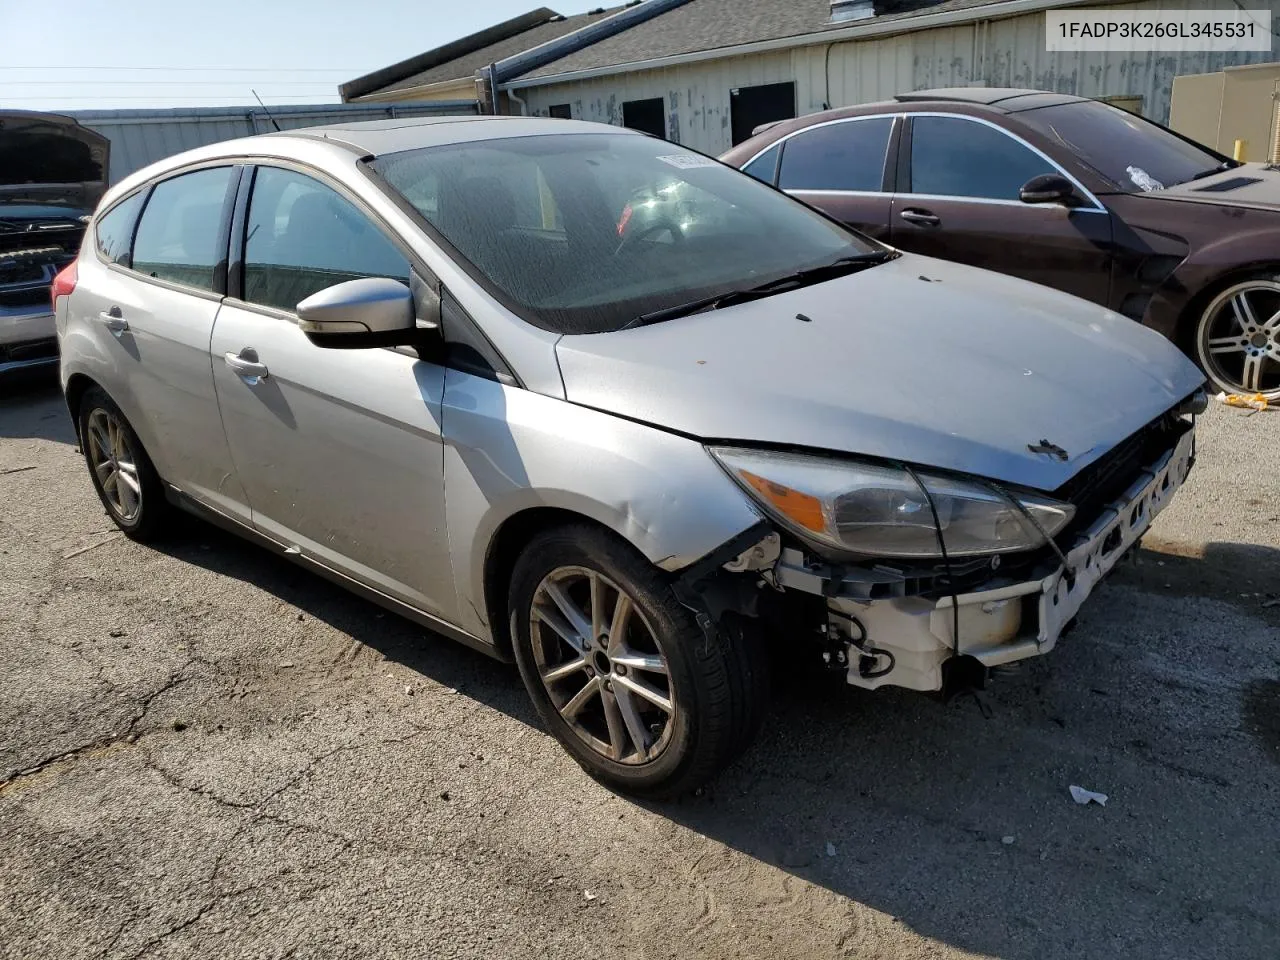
(659, 226)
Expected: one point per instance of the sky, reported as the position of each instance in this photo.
(104, 54)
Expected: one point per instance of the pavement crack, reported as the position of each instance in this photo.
(101, 743)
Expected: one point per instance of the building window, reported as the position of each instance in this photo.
(751, 107)
(560, 111)
(648, 116)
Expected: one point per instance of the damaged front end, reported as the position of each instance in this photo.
(922, 623)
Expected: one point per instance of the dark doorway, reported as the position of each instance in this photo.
(561, 111)
(751, 106)
(646, 115)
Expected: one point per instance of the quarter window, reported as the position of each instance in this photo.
(765, 166)
(115, 230)
(301, 237)
(837, 156)
(953, 157)
(178, 235)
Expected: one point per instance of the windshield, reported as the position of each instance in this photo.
(1123, 147)
(583, 233)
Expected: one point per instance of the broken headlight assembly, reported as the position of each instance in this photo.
(860, 509)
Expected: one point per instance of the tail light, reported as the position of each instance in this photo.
(64, 283)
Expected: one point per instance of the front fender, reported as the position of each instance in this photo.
(508, 450)
(1209, 266)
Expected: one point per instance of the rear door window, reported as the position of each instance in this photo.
(955, 157)
(837, 156)
(302, 236)
(177, 238)
(115, 231)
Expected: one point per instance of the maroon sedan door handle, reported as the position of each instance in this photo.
(920, 217)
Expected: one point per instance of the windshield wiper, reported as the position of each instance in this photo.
(792, 281)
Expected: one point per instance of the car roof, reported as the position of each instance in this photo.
(379, 137)
(983, 95)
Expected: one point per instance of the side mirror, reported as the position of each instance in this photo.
(369, 312)
(1049, 188)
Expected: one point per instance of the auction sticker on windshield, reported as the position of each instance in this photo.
(686, 161)
(1239, 29)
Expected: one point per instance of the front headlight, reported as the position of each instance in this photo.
(875, 510)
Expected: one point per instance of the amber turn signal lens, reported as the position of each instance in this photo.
(798, 507)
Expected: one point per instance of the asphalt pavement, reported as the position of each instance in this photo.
(208, 752)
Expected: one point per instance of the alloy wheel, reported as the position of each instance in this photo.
(602, 665)
(1238, 339)
(115, 464)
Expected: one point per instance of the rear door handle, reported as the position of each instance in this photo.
(247, 367)
(920, 217)
(114, 321)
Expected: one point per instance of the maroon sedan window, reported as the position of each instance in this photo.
(765, 166)
(954, 157)
(837, 156)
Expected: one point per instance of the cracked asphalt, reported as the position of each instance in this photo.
(208, 752)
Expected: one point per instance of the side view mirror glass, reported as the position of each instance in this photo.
(1049, 188)
(369, 312)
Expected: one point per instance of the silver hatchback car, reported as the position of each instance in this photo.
(597, 403)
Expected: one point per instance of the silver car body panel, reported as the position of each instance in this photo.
(394, 475)
(339, 453)
(157, 371)
(909, 361)
(509, 450)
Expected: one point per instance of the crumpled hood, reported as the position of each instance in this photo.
(1255, 185)
(962, 371)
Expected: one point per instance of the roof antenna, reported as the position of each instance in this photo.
(264, 109)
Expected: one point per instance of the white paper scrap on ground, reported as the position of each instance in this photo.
(1082, 796)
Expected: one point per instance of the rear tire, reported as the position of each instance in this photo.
(122, 473)
(717, 690)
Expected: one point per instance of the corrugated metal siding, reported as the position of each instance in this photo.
(999, 53)
(1011, 53)
(696, 95)
(141, 137)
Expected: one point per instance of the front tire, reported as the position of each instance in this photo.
(1237, 337)
(122, 473)
(619, 670)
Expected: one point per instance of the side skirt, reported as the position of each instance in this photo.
(423, 619)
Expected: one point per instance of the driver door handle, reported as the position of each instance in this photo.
(920, 217)
(246, 367)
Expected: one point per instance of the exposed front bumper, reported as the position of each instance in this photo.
(27, 339)
(1001, 624)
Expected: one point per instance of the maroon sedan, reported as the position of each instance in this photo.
(1067, 192)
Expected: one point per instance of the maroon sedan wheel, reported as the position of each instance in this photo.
(1238, 338)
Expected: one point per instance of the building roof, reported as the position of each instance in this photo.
(702, 25)
(460, 59)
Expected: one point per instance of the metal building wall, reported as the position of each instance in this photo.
(696, 95)
(141, 137)
(1008, 53)
(1000, 53)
